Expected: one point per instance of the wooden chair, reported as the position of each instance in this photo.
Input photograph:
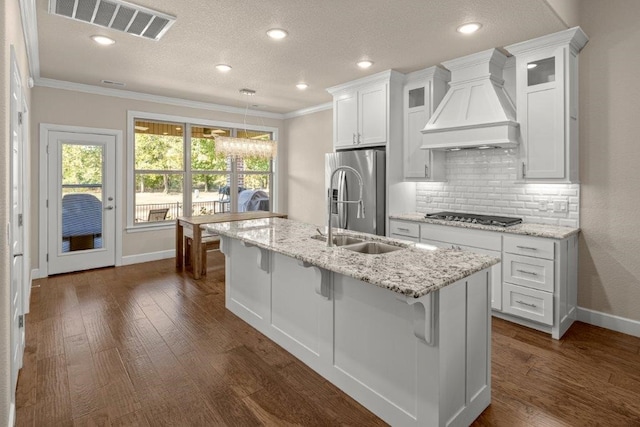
(158, 214)
(209, 243)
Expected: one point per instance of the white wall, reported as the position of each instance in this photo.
(308, 139)
(609, 275)
(66, 107)
(10, 34)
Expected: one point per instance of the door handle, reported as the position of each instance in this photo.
(109, 208)
(17, 255)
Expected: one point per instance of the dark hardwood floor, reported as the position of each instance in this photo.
(145, 345)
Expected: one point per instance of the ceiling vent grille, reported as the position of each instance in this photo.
(115, 14)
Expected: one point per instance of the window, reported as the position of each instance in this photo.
(177, 171)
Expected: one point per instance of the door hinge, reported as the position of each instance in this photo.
(19, 117)
(21, 321)
(47, 149)
(47, 257)
(47, 203)
(524, 170)
(20, 221)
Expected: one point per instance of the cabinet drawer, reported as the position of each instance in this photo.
(528, 271)
(410, 229)
(529, 246)
(462, 236)
(401, 237)
(527, 303)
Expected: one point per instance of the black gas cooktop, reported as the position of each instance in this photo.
(500, 221)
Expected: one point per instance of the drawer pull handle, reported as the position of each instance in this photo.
(527, 272)
(403, 229)
(527, 247)
(527, 304)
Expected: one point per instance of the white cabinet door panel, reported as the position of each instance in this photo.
(528, 271)
(528, 303)
(372, 104)
(530, 246)
(346, 120)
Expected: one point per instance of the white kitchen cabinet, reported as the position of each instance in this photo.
(423, 91)
(547, 104)
(536, 283)
(361, 110)
(478, 241)
(404, 230)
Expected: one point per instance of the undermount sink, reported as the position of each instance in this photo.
(372, 248)
(339, 239)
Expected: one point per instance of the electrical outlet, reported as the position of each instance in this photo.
(542, 205)
(560, 205)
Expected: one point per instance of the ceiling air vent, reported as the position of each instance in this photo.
(115, 14)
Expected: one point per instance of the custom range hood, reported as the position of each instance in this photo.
(476, 112)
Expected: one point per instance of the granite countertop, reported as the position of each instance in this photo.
(416, 270)
(528, 229)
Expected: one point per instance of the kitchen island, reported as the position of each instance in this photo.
(405, 333)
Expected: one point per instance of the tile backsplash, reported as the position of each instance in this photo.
(484, 182)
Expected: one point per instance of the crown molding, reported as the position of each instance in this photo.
(574, 37)
(139, 96)
(435, 72)
(383, 76)
(309, 110)
(30, 31)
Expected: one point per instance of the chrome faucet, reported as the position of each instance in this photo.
(360, 213)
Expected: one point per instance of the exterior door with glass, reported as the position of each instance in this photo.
(81, 201)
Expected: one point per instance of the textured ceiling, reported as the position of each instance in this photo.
(326, 38)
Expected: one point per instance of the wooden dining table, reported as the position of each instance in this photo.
(193, 225)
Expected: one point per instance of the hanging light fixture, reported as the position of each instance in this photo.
(246, 147)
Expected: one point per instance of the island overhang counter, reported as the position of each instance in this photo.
(405, 333)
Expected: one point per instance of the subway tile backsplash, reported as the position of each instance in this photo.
(484, 182)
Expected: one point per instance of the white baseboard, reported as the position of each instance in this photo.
(12, 415)
(35, 274)
(609, 321)
(151, 256)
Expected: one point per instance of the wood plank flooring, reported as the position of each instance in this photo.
(144, 345)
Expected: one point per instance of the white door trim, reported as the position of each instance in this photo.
(45, 128)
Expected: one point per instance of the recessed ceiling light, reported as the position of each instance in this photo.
(455, 149)
(178, 128)
(302, 86)
(103, 40)
(248, 92)
(223, 68)
(277, 33)
(469, 28)
(532, 65)
(365, 64)
(142, 128)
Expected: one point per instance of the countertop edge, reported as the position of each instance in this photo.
(554, 232)
(385, 284)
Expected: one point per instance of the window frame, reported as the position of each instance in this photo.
(187, 172)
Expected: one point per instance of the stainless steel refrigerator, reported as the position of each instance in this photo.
(371, 166)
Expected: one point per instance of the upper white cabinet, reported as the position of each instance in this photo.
(423, 91)
(361, 110)
(547, 104)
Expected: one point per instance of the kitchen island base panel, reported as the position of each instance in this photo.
(369, 341)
